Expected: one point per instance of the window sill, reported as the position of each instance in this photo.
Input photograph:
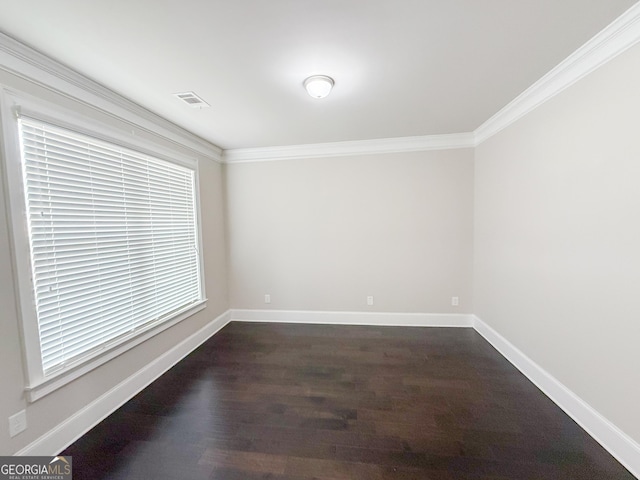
(38, 390)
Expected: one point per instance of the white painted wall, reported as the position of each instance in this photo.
(50, 411)
(557, 238)
(323, 234)
(552, 254)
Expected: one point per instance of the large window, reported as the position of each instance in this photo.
(113, 246)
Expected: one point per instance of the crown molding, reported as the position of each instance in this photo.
(35, 67)
(24, 62)
(620, 35)
(617, 37)
(359, 147)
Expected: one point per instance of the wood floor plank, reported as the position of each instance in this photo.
(328, 402)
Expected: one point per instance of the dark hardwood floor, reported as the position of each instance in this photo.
(285, 401)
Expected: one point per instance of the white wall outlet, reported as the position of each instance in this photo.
(370, 300)
(267, 298)
(455, 301)
(17, 423)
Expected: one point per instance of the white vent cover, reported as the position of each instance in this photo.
(191, 99)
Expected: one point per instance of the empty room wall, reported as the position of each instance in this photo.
(50, 411)
(557, 238)
(323, 234)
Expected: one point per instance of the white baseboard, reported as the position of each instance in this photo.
(355, 318)
(67, 432)
(616, 442)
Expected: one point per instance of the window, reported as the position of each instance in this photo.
(113, 248)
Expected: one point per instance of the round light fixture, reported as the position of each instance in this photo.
(318, 86)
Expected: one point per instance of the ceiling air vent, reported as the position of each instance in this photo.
(191, 99)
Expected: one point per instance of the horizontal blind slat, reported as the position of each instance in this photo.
(113, 237)
(105, 290)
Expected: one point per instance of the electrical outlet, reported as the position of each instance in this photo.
(370, 300)
(17, 423)
(267, 298)
(455, 301)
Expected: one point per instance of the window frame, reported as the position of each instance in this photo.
(12, 105)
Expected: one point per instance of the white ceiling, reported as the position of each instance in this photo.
(402, 67)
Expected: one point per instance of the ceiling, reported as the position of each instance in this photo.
(401, 68)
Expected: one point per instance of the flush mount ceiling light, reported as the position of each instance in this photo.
(318, 86)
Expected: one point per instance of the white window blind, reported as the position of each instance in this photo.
(113, 237)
